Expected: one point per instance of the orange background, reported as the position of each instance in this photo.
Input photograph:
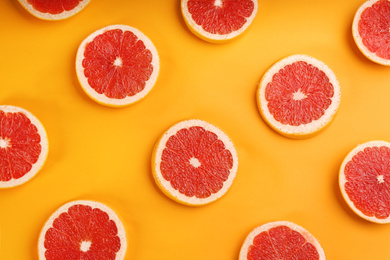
(104, 154)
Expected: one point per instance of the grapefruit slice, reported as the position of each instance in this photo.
(23, 146)
(194, 163)
(82, 230)
(371, 30)
(53, 9)
(218, 20)
(298, 96)
(117, 65)
(281, 240)
(364, 181)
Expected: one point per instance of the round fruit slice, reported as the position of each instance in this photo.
(298, 96)
(194, 163)
(53, 9)
(23, 146)
(82, 230)
(218, 20)
(117, 65)
(364, 181)
(281, 240)
(371, 30)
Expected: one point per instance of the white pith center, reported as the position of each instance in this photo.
(195, 162)
(118, 62)
(299, 95)
(218, 3)
(85, 245)
(3, 143)
(380, 178)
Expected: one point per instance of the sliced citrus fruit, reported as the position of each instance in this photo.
(194, 162)
(281, 240)
(53, 9)
(23, 146)
(371, 30)
(117, 65)
(82, 229)
(298, 96)
(218, 20)
(364, 181)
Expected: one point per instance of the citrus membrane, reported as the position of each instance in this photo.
(23, 146)
(194, 162)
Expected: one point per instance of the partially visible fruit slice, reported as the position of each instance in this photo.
(364, 181)
(83, 230)
(117, 65)
(218, 20)
(53, 9)
(298, 96)
(281, 240)
(371, 30)
(23, 146)
(194, 163)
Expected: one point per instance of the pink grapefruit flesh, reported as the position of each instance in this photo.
(117, 65)
(371, 30)
(365, 181)
(218, 20)
(298, 96)
(83, 230)
(281, 240)
(194, 163)
(23, 146)
(53, 9)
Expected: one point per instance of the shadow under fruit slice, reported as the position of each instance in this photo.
(194, 163)
(82, 230)
(218, 20)
(298, 96)
(371, 30)
(23, 146)
(281, 240)
(53, 9)
(117, 65)
(364, 181)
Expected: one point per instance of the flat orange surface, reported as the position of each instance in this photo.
(104, 154)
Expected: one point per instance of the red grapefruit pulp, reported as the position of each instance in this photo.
(281, 240)
(23, 146)
(298, 96)
(117, 65)
(82, 230)
(194, 162)
(371, 30)
(364, 181)
(218, 20)
(53, 9)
